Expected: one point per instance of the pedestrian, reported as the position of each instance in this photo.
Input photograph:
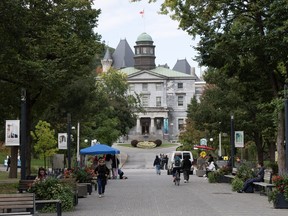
(186, 167)
(248, 185)
(210, 159)
(165, 161)
(108, 163)
(156, 163)
(8, 163)
(102, 173)
(42, 175)
(115, 165)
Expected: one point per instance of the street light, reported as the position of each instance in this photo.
(232, 140)
(23, 135)
(78, 142)
(69, 139)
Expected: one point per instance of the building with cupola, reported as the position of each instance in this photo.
(165, 93)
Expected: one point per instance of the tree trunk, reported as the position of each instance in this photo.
(258, 142)
(280, 143)
(14, 160)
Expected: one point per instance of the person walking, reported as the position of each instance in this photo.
(115, 165)
(156, 164)
(102, 173)
(186, 167)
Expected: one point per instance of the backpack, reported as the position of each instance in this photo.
(177, 162)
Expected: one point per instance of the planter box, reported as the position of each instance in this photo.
(280, 202)
(200, 173)
(82, 190)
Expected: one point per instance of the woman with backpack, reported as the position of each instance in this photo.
(157, 163)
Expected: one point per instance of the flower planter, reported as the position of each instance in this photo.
(82, 190)
(280, 202)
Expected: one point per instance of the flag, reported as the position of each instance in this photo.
(142, 13)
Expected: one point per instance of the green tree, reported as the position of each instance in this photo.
(45, 142)
(46, 46)
(245, 40)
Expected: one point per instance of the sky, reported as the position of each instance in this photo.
(121, 19)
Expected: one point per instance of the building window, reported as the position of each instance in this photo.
(145, 100)
(137, 50)
(180, 124)
(158, 86)
(132, 87)
(180, 85)
(158, 101)
(145, 50)
(144, 86)
(198, 90)
(158, 124)
(180, 100)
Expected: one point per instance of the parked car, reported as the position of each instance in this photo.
(181, 155)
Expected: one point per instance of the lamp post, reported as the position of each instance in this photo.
(232, 140)
(23, 135)
(69, 140)
(220, 145)
(286, 126)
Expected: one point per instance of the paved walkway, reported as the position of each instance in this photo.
(146, 194)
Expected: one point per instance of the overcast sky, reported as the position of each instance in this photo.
(121, 19)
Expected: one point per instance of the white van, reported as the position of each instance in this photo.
(181, 155)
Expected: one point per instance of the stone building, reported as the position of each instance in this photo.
(165, 93)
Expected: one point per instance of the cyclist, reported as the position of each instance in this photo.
(176, 166)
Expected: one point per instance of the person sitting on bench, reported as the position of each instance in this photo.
(248, 185)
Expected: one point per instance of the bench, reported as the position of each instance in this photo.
(24, 204)
(267, 184)
(57, 202)
(24, 185)
(232, 175)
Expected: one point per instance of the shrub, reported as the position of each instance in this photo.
(244, 172)
(213, 177)
(51, 188)
(158, 142)
(134, 143)
(237, 184)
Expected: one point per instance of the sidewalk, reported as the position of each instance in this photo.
(146, 194)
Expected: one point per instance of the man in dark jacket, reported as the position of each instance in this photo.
(249, 183)
(186, 167)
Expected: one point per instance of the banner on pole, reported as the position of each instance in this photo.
(12, 135)
(62, 140)
(239, 139)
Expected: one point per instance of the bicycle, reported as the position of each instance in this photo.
(177, 178)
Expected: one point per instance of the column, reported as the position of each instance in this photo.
(138, 131)
(152, 126)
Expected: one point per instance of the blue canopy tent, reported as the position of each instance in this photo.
(99, 149)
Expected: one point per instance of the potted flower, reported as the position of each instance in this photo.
(84, 175)
(279, 194)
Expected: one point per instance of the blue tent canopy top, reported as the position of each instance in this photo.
(99, 149)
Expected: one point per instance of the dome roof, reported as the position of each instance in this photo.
(144, 37)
